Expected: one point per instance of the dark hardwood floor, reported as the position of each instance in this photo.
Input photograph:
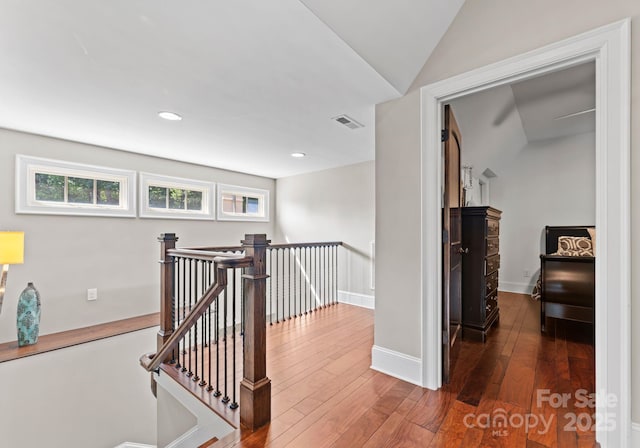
(325, 394)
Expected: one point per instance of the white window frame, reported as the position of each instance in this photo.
(263, 197)
(25, 192)
(159, 180)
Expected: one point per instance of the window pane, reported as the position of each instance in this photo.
(157, 197)
(252, 205)
(108, 192)
(227, 203)
(49, 187)
(239, 204)
(194, 200)
(80, 191)
(176, 198)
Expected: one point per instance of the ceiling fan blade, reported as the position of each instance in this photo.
(575, 114)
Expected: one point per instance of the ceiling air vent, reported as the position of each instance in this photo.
(348, 121)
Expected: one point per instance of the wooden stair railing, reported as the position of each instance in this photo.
(255, 386)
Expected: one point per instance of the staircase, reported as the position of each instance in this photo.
(209, 370)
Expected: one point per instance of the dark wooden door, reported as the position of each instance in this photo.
(451, 240)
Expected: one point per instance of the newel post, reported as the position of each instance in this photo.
(255, 387)
(167, 241)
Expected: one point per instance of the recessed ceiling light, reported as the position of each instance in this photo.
(172, 116)
(298, 155)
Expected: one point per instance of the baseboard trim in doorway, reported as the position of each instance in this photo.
(518, 288)
(396, 364)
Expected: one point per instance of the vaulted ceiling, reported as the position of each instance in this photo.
(496, 124)
(254, 81)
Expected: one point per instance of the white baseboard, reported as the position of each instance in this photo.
(134, 445)
(396, 364)
(353, 298)
(635, 434)
(519, 288)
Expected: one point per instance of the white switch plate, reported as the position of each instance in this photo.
(92, 294)
(526, 273)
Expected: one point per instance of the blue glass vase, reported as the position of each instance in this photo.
(28, 322)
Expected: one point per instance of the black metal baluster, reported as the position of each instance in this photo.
(209, 387)
(225, 399)
(277, 286)
(297, 274)
(190, 339)
(315, 303)
(234, 402)
(179, 287)
(270, 284)
(307, 280)
(314, 277)
(242, 302)
(331, 278)
(216, 330)
(173, 304)
(323, 275)
(207, 317)
(203, 320)
(283, 285)
(336, 271)
(319, 250)
(184, 310)
(289, 284)
(326, 275)
(195, 325)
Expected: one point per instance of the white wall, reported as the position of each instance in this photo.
(90, 395)
(66, 255)
(398, 232)
(484, 31)
(332, 205)
(548, 183)
(174, 419)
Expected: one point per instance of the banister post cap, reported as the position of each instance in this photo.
(259, 239)
(167, 237)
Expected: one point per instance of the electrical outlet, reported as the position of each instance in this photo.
(92, 294)
(526, 273)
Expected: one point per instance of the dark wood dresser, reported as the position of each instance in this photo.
(480, 263)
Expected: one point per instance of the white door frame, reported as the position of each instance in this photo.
(609, 47)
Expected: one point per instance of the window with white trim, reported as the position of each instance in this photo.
(45, 186)
(175, 198)
(237, 203)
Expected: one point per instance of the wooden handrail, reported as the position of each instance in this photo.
(292, 245)
(255, 386)
(227, 249)
(151, 362)
(206, 255)
(218, 249)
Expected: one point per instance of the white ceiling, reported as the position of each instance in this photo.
(542, 100)
(394, 37)
(254, 80)
(498, 123)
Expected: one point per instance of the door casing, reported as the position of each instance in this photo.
(609, 47)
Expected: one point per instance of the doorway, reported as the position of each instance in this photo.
(609, 48)
(533, 142)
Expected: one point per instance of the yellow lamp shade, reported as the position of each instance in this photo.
(11, 247)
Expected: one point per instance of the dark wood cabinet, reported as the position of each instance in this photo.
(480, 264)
